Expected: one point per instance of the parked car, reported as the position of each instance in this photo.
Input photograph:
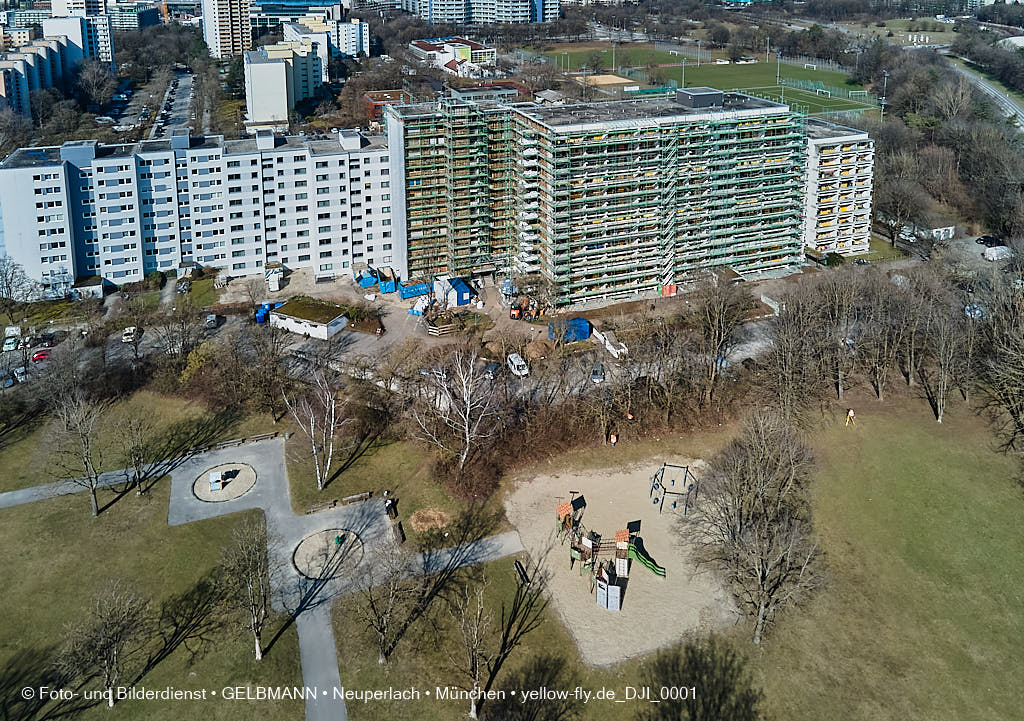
(129, 334)
(41, 355)
(597, 376)
(26, 342)
(989, 241)
(211, 320)
(11, 343)
(517, 365)
(491, 370)
(21, 374)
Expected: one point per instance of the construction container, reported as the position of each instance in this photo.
(414, 288)
(569, 331)
(368, 279)
(463, 293)
(387, 280)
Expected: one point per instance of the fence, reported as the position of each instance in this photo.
(833, 90)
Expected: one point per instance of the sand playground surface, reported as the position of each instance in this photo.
(237, 479)
(655, 611)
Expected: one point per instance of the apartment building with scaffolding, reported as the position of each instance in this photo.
(840, 179)
(606, 200)
(453, 171)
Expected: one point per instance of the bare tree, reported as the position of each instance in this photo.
(753, 521)
(880, 332)
(15, 287)
(15, 130)
(387, 599)
(180, 330)
(792, 377)
(108, 638)
(718, 310)
(246, 576)
(255, 291)
(134, 434)
(835, 341)
(320, 415)
(898, 202)
(726, 689)
(267, 374)
(945, 353)
(460, 411)
(475, 624)
(77, 453)
(96, 82)
(136, 315)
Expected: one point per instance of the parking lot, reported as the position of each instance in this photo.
(175, 111)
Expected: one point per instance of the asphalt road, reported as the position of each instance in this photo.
(1006, 104)
(181, 103)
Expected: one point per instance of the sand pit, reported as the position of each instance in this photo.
(237, 479)
(601, 80)
(655, 611)
(321, 556)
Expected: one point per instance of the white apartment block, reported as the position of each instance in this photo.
(40, 64)
(15, 37)
(89, 36)
(484, 11)
(276, 78)
(840, 179)
(227, 27)
(63, 8)
(338, 37)
(84, 209)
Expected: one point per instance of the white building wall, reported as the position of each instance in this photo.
(266, 91)
(837, 200)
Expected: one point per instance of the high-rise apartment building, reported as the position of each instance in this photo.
(337, 37)
(278, 76)
(84, 209)
(459, 12)
(89, 36)
(63, 8)
(604, 199)
(227, 29)
(840, 179)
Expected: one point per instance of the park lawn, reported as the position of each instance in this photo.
(626, 55)
(203, 294)
(26, 455)
(42, 312)
(920, 524)
(882, 249)
(424, 658)
(57, 556)
(401, 467)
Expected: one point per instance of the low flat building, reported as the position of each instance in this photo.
(458, 56)
(310, 317)
(840, 180)
(377, 100)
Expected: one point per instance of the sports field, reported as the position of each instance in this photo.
(575, 56)
(806, 101)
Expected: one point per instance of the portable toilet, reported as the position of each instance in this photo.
(461, 291)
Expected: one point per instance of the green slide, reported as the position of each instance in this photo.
(640, 554)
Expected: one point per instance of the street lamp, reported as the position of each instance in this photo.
(885, 85)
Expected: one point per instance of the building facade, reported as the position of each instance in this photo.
(122, 211)
(133, 16)
(486, 12)
(276, 78)
(840, 181)
(11, 38)
(336, 37)
(89, 37)
(227, 28)
(63, 8)
(603, 199)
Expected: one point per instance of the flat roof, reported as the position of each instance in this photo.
(818, 129)
(642, 109)
(314, 310)
(327, 144)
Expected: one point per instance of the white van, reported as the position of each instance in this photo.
(129, 334)
(517, 365)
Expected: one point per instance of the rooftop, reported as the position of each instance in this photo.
(314, 310)
(387, 96)
(326, 144)
(639, 110)
(818, 129)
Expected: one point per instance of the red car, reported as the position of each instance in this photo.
(40, 355)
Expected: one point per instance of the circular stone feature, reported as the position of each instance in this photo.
(327, 554)
(236, 479)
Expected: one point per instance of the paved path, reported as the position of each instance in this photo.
(308, 601)
(1002, 101)
(59, 488)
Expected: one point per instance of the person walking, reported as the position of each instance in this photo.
(850, 417)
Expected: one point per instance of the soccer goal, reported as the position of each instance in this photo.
(810, 66)
(858, 93)
(826, 93)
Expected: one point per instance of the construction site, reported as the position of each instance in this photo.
(604, 200)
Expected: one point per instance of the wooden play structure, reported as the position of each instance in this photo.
(676, 482)
(607, 561)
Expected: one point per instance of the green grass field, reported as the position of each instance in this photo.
(202, 292)
(578, 55)
(919, 620)
(57, 556)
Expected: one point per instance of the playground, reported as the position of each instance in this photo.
(615, 524)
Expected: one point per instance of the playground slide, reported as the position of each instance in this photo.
(646, 561)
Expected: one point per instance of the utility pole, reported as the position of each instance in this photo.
(682, 72)
(767, 48)
(885, 85)
(698, 53)
(778, 67)
(613, 56)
